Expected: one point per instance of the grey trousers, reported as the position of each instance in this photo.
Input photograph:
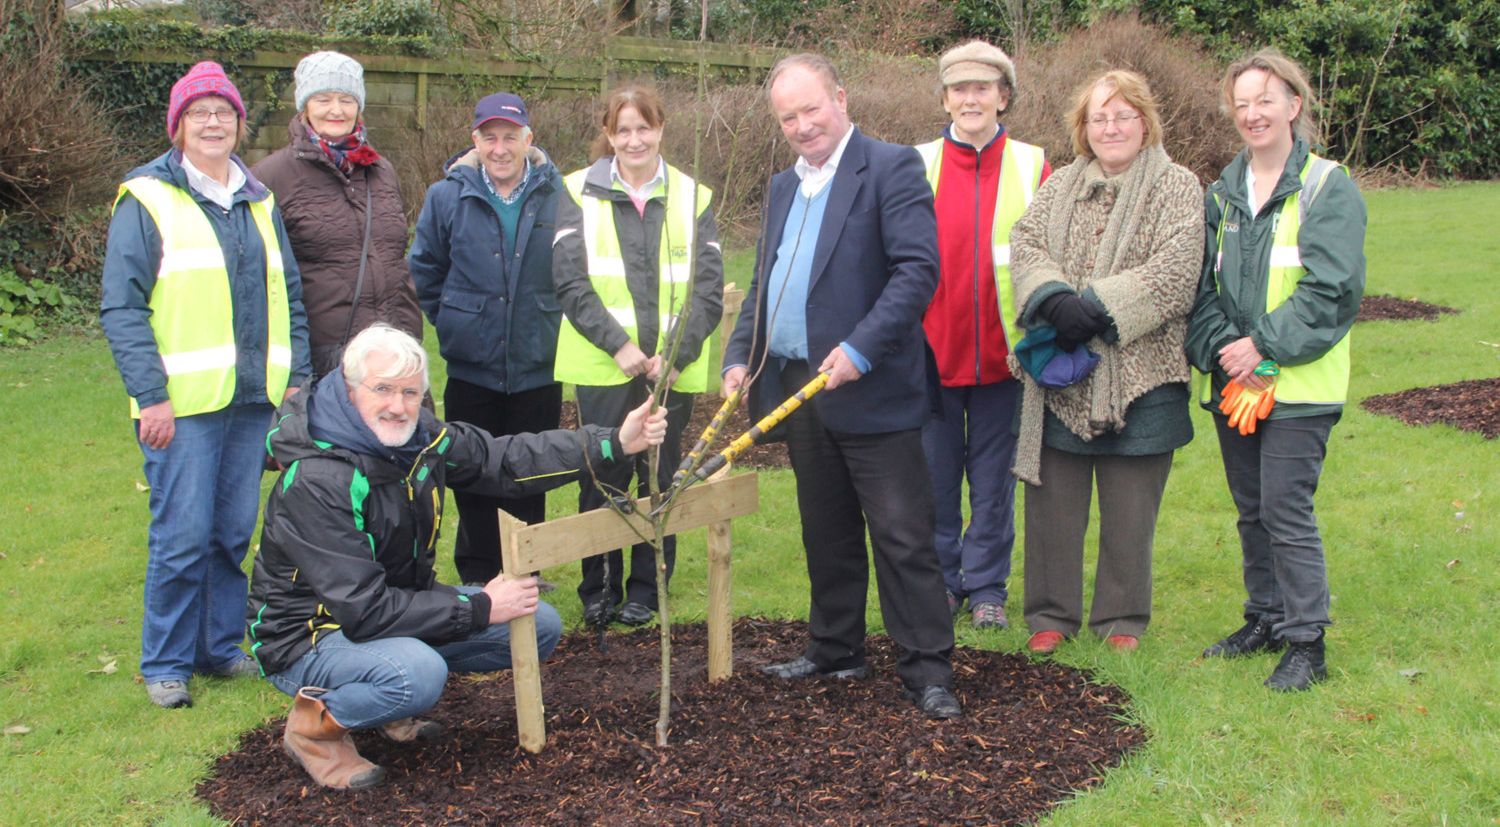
(1273, 474)
(1057, 516)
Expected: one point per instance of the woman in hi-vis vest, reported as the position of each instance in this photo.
(202, 306)
(636, 257)
(1283, 272)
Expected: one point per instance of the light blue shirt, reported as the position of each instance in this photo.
(786, 299)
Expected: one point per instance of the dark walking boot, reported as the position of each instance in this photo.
(1301, 666)
(1254, 636)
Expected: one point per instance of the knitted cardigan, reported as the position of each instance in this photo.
(1134, 244)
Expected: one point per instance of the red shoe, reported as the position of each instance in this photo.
(1045, 643)
(1123, 643)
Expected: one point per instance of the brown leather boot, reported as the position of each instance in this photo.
(410, 730)
(323, 747)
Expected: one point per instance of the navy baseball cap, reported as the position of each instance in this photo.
(502, 105)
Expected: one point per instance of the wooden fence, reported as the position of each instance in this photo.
(400, 90)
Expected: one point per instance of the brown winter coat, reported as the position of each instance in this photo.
(325, 220)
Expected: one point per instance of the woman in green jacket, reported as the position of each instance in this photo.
(1283, 273)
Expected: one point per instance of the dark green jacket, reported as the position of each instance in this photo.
(1319, 313)
(349, 537)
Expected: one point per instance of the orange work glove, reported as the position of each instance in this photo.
(1246, 406)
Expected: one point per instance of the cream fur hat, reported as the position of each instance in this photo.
(976, 60)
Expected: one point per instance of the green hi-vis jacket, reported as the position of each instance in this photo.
(1305, 330)
(349, 538)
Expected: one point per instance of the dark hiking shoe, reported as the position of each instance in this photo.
(955, 603)
(1301, 667)
(1254, 636)
(989, 616)
(936, 702)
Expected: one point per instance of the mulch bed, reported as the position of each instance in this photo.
(705, 405)
(1390, 308)
(1469, 406)
(752, 750)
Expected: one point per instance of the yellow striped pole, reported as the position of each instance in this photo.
(707, 438)
(769, 421)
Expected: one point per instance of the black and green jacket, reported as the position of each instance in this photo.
(349, 537)
(1232, 303)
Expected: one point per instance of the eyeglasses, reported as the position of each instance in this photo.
(1122, 120)
(220, 115)
(387, 391)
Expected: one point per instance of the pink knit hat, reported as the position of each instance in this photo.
(206, 78)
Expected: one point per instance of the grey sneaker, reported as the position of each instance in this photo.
(244, 667)
(989, 616)
(169, 694)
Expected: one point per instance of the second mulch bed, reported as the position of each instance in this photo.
(1470, 406)
(752, 750)
(1376, 308)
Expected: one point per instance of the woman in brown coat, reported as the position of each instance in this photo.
(1106, 260)
(342, 206)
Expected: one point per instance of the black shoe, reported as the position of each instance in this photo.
(1301, 667)
(1254, 636)
(936, 702)
(636, 614)
(803, 668)
(598, 612)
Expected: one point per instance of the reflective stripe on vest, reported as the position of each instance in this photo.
(191, 307)
(1020, 175)
(1325, 380)
(578, 360)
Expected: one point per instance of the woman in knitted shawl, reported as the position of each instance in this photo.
(1107, 258)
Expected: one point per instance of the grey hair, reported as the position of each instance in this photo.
(410, 358)
(811, 61)
(525, 130)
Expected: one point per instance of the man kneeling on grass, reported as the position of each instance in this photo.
(346, 614)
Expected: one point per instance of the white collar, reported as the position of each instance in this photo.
(643, 192)
(815, 178)
(211, 189)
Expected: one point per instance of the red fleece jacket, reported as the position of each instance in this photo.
(963, 320)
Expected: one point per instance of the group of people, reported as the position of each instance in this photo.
(976, 313)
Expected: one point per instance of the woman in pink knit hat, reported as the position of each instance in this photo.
(202, 306)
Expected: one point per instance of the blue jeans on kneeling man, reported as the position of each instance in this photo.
(378, 681)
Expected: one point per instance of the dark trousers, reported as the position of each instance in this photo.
(476, 551)
(973, 438)
(602, 574)
(1273, 474)
(846, 483)
(1057, 517)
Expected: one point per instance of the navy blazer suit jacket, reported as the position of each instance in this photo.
(873, 274)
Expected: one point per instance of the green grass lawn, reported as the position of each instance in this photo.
(1404, 731)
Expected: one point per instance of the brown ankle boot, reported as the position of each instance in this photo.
(323, 747)
(410, 730)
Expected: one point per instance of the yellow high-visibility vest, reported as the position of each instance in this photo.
(578, 360)
(191, 308)
(1325, 380)
(1020, 176)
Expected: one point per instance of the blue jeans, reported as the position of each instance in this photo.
(387, 679)
(974, 437)
(205, 492)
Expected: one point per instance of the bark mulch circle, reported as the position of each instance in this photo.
(751, 750)
(705, 405)
(1469, 406)
(1390, 308)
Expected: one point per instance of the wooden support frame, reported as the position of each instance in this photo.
(527, 548)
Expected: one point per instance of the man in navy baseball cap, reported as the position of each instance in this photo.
(503, 105)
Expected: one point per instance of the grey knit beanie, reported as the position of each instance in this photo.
(329, 72)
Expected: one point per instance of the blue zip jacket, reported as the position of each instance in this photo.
(495, 310)
(133, 256)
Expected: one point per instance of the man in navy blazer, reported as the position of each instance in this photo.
(847, 266)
